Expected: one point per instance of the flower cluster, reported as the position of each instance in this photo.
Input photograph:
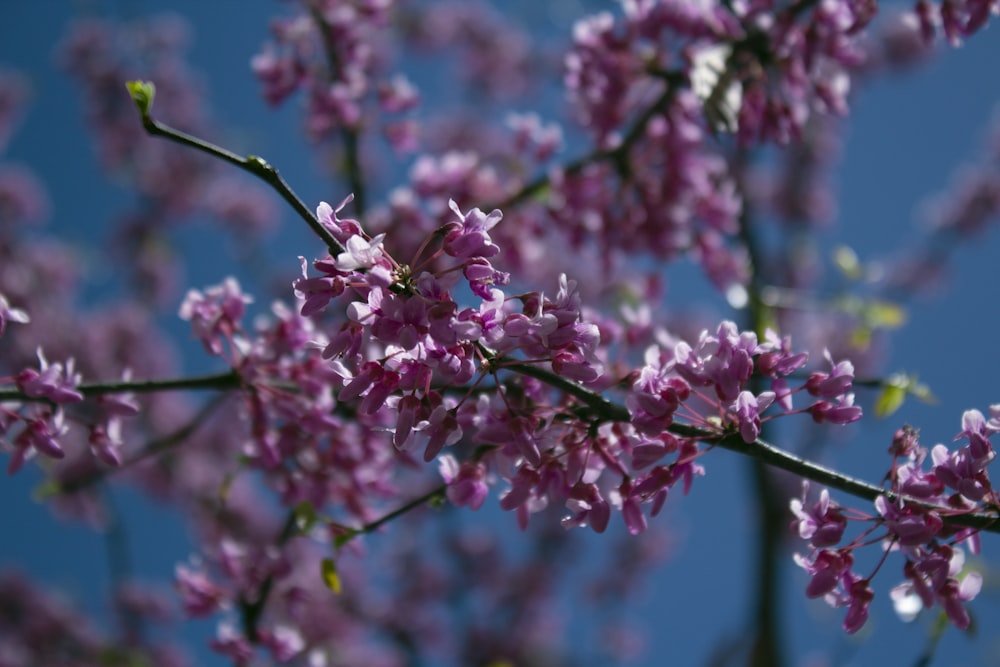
(910, 521)
(412, 362)
(329, 50)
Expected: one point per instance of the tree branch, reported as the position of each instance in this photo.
(142, 94)
(227, 380)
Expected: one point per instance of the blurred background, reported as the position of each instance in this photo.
(910, 135)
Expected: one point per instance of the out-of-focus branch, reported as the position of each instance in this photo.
(219, 381)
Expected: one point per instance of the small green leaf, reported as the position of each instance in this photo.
(330, 576)
(142, 93)
(845, 259)
(305, 517)
(896, 388)
(259, 164)
(884, 315)
(46, 490)
(861, 337)
(889, 400)
(343, 535)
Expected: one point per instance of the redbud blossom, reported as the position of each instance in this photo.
(860, 596)
(360, 254)
(466, 482)
(833, 384)
(215, 314)
(842, 412)
(469, 237)
(747, 409)
(822, 523)
(40, 434)
(910, 524)
(9, 314)
(199, 595)
(51, 381)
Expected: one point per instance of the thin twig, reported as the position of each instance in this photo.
(143, 92)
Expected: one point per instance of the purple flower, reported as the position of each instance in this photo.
(656, 394)
(466, 483)
(469, 237)
(828, 569)
(833, 384)
(932, 578)
(398, 94)
(106, 439)
(860, 596)
(627, 499)
(912, 481)
(316, 292)
(724, 360)
(482, 276)
(229, 642)
(342, 229)
(822, 523)
(960, 471)
(40, 434)
(442, 429)
(284, 642)
(977, 430)
(280, 74)
(842, 412)
(588, 507)
(911, 524)
(51, 381)
(905, 442)
(529, 131)
(778, 360)
(215, 314)
(747, 409)
(199, 595)
(9, 314)
(359, 253)
(521, 488)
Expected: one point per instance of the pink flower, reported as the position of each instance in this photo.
(466, 482)
(51, 381)
(9, 314)
(199, 595)
(470, 237)
(588, 507)
(106, 439)
(747, 409)
(842, 412)
(912, 525)
(359, 253)
(932, 578)
(215, 314)
(860, 595)
(822, 523)
(828, 569)
(833, 384)
(960, 471)
(40, 434)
